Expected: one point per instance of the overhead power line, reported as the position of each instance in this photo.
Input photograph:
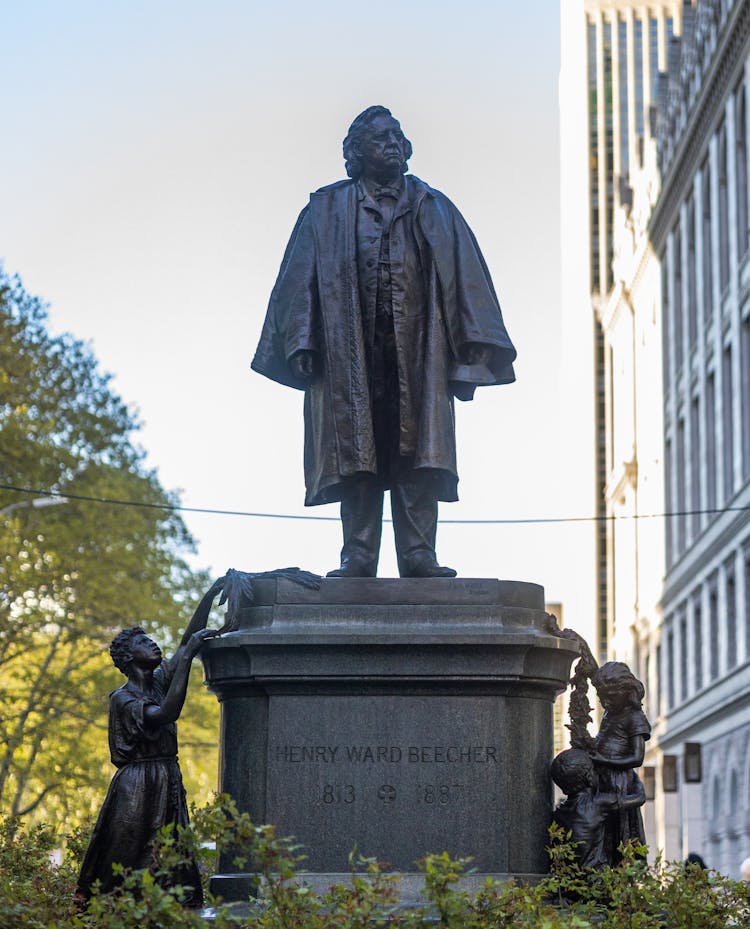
(531, 520)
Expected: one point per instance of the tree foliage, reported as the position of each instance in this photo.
(72, 575)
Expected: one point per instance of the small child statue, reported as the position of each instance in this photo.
(604, 813)
(146, 792)
(585, 810)
(619, 747)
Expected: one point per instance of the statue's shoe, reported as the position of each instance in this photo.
(426, 567)
(353, 569)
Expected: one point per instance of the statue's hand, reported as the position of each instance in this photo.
(196, 640)
(477, 353)
(302, 364)
(462, 391)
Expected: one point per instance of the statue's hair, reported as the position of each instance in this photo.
(357, 134)
(120, 649)
(616, 678)
(572, 770)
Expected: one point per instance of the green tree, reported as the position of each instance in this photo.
(72, 575)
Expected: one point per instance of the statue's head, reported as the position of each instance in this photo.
(617, 686)
(572, 771)
(375, 138)
(134, 645)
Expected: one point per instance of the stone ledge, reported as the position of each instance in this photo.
(386, 590)
(353, 717)
(242, 886)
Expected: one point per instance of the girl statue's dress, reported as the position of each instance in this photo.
(620, 727)
(146, 793)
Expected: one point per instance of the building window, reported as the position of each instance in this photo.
(711, 441)
(622, 52)
(723, 210)
(677, 296)
(653, 42)
(741, 151)
(698, 642)
(733, 807)
(706, 247)
(593, 159)
(638, 55)
(609, 153)
(659, 676)
(680, 501)
(610, 373)
(745, 381)
(666, 329)
(692, 308)
(727, 444)
(715, 802)
(730, 592)
(670, 669)
(746, 565)
(695, 468)
(669, 500)
(713, 629)
(683, 657)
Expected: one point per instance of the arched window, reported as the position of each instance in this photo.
(734, 793)
(741, 149)
(716, 809)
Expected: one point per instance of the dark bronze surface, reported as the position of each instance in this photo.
(146, 792)
(383, 312)
(604, 792)
(400, 716)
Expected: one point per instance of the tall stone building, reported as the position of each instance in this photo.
(664, 133)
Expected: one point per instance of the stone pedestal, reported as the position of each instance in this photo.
(398, 716)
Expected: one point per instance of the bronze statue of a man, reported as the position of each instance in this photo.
(383, 312)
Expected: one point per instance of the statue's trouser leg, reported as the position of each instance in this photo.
(362, 522)
(415, 513)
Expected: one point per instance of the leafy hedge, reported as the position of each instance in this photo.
(34, 894)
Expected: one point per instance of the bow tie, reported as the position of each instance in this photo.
(392, 192)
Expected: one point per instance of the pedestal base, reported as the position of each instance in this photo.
(399, 716)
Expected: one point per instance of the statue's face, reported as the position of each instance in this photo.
(612, 698)
(145, 652)
(383, 151)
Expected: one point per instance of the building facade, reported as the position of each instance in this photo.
(699, 230)
(665, 132)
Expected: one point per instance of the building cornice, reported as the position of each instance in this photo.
(622, 6)
(645, 254)
(612, 306)
(622, 478)
(727, 60)
(716, 702)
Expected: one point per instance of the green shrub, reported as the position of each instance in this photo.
(33, 893)
(36, 895)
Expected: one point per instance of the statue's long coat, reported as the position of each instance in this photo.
(443, 298)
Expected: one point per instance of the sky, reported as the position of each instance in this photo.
(154, 160)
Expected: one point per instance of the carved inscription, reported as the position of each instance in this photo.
(396, 774)
(440, 794)
(421, 773)
(387, 754)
